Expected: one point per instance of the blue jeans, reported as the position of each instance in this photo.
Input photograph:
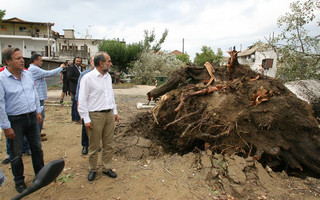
(84, 136)
(25, 146)
(25, 126)
(42, 115)
(74, 111)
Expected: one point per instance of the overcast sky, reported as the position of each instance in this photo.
(214, 23)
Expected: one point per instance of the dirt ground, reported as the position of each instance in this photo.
(144, 170)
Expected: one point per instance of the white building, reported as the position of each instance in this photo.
(262, 60)
(68, 47)
(29, 37)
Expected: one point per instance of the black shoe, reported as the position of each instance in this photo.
(91, 176)
(21, 187)
(6, 161)
(99, 149)
(84, 150)
(110, 173)
(61, 101)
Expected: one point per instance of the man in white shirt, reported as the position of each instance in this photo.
(98, 109)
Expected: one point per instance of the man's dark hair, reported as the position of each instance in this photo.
(99, 57)
(35, 57)
(7, 53)
(76, 58)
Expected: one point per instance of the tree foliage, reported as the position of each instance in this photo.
(122, 55)
(151, 65)
(2, 13)
(184, 58)
(149, 42)
(299, 52)
(207, 54)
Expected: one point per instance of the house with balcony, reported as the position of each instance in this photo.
(29, 37)
(68, 47)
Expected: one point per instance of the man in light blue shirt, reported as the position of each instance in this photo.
(20, 113)
(40, 82)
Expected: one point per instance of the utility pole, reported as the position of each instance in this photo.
(49, 48)
(183, 45)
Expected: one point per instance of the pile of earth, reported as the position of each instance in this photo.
(241, 113)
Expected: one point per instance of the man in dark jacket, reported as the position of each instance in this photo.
(73, 76)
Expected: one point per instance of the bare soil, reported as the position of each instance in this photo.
(146, 170)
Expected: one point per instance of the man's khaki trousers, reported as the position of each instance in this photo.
(103, 129)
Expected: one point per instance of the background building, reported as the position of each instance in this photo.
(29, 37)
(260, 59)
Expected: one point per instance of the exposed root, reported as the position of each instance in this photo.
(186, 116)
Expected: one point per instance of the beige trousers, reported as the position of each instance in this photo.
(103, 129)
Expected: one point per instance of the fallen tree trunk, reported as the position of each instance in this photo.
(307, 90)
(180, 77)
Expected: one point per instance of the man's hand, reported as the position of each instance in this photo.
(60, 82)
(116, 118)
(63, 65)
(89, 125)
(9, 133)
(39, 118)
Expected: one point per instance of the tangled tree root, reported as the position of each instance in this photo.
(240, 112)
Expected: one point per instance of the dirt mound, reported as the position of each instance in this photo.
(241, 112)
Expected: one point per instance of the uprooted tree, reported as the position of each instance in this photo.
(231, 110)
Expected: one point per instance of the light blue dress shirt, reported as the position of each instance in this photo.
(17, 96)
(40, 81)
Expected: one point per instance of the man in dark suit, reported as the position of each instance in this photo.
(73, 76)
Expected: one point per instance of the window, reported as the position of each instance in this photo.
(267, 63)
(37, 33)
(73, 48)
(22, 29)
(64, 47)
(3, 28)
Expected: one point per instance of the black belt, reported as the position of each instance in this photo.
(103, 110)
(24, 115)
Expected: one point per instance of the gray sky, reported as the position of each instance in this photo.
(216, 23)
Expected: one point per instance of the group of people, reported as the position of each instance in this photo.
(22, 95)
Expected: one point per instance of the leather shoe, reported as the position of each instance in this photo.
(21, 187)
(91, 176)
(44, 138)
(43, 134)
(84, 150)
(110, 173)
(6, 160)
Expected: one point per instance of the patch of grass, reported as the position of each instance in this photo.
(65, 179)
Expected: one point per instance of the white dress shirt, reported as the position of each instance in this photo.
(95, 94)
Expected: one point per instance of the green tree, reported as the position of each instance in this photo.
(122, 55)
(299, 52)
(117, 52)
(151, 65)
(149, 42)
(207, 54)
(184, 58)
(2, 13)
(133, 51)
